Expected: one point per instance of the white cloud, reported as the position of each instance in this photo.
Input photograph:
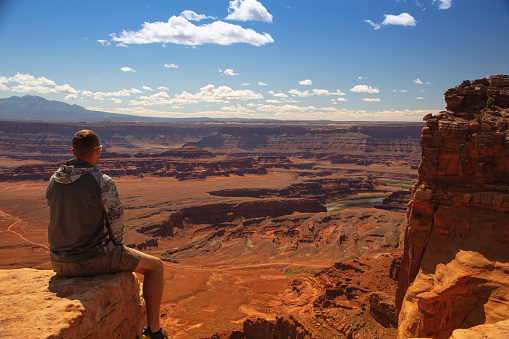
(362, 78)
(104, 42)
(87, 93)
(419, 98)
(27, 79)
(32, 89)
(306, 82)
(320, 92)
(418, 81)
(66, 89)
(403, 91)
(364, 89)
(122, 93)
(245, 84)
(29, 84)
(297, 93)
(171, 66)
(282, 112)
(228, 71)
(279, 95)
(192, 16)
(71, 97)
(404, 19)
(375, 26)
(179, 30)
(208, 93)
(371, 99)
(247, 10)
(261, 83)
(443, 4)
(146, 88)
(163, 88)
(237, 109)
(127, 69)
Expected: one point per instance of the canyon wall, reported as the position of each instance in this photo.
(455, 271)
(360, 143)
(40, 304)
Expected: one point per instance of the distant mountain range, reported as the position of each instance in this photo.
(31, 107)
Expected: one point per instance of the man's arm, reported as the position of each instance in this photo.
(113, 209)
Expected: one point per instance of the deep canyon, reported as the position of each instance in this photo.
(297, 229)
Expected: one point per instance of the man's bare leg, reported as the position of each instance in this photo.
(153, 271)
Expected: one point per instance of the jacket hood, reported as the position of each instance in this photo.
(72, 170)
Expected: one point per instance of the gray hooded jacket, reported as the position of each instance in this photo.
(86, 216)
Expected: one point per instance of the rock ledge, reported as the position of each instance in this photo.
(51, 306)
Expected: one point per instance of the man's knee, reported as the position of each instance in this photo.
(149, 263)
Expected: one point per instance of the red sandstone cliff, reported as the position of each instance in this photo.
(455, 271)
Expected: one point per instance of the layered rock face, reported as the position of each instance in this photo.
(474, 95)
(40, 304)
(455, 271)
(324, 190)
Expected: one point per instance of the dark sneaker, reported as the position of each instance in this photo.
(148, 334)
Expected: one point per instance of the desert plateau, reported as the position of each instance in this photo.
(272, 229)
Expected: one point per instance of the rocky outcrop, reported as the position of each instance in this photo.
(40, 304)
(497, 330)
(455, 270)
(313, 237)
(282, 327)
(324, 190)
(362, 284)
(226, 212)
(397, 201)
(477, 94)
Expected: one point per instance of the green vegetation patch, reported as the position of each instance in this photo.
(364, 200)
(344, 206)
(364, 197)
(290, 272)
(400, 184)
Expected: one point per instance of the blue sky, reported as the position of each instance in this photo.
(343, 60)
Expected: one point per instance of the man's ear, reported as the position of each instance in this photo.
(72, 149)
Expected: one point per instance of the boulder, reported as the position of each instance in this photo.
(41, 304)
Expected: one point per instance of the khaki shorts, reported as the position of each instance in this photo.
(121, 258)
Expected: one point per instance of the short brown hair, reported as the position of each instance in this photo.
(84, 143)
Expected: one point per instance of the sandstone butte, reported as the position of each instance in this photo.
(454, 278)
(454, 275)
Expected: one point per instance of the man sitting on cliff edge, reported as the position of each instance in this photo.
(86, 227)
